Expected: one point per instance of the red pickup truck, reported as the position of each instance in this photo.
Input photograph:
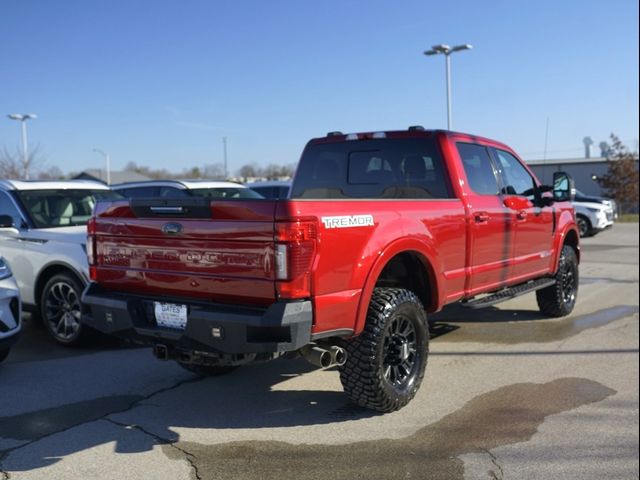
(379, 230)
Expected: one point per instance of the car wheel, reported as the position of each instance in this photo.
(559, 299)
(584, 226)
(4, 354)
(386, 362)
(208, 370)
(60, 309)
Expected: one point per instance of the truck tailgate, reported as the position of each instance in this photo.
(221, 251)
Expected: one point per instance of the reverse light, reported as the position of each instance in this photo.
(295, 252)
(91, 249)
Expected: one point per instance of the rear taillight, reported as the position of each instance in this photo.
(295, 251)
(91, 248)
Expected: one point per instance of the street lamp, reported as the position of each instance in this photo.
(22, 118)
(107, 158)
(446, 50)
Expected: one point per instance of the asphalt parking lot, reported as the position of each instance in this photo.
(508, 394)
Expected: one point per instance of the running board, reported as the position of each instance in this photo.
(508, 293)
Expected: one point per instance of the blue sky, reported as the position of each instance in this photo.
(161, 82)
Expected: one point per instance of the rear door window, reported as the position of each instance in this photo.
(380, 168)
(479, 169)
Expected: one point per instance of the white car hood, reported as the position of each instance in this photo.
(76, 234)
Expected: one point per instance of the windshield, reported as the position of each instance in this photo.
(62, 208)
(224, 193)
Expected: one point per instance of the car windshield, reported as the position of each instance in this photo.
(224, 192)
(64, 207)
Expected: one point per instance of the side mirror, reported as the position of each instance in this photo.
(6, 221)
(564, 188)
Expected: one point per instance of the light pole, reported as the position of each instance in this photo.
(107, 158)
(22, 118)
(446, 50)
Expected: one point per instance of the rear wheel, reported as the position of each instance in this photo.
(386, 362)
(60, 309)
(208, 370)
(559, 299)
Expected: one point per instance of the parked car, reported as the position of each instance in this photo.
(592, 217)
(43, 237)
(609, 202)
(271, 189)
(379, 229)
(184, 188)
(9, 310)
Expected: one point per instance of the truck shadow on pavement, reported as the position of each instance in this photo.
(270, 395)
(527, 326)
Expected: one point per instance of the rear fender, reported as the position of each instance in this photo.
(425, 250)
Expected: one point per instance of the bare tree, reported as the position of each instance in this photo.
(621, 180)
(12, 165)
(248, 171)
(51, 173)
(214, 171)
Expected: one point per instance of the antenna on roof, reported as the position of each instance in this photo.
(544, 154)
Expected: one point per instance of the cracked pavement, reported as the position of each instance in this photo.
(507, 394)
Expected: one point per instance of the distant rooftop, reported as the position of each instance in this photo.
(565, 161)
(116, 176)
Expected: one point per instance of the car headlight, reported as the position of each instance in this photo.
(595, 210)
(5, 271)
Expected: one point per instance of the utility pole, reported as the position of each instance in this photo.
(224, 156)
(446, 50)
(107, 158)
(22, 118)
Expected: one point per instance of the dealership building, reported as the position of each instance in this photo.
(585, 172)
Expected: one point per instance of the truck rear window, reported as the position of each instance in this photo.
(380, 168)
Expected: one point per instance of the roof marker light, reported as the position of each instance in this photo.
(416, 128)
(334, 134)
(379, 135)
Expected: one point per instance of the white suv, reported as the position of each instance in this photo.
(593, 217)
(43, 237)
(9, 310)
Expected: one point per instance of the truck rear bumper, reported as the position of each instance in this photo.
(213, 328)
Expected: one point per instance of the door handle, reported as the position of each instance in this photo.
(521, 215)
(481, 217)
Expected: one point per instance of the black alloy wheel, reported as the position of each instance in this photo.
(559, 299)
(386, 362)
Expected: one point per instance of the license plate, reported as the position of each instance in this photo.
(171, 315)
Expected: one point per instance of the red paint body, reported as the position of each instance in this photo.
(469, 244)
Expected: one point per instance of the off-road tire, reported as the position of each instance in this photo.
(559, 299)
(366, 376)
(207, 370)
(584, 226)
(63, 288)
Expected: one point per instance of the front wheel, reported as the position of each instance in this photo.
(559, 299)
(60, 309)
(386, 362)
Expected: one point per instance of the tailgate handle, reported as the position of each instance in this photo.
(166, 209)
